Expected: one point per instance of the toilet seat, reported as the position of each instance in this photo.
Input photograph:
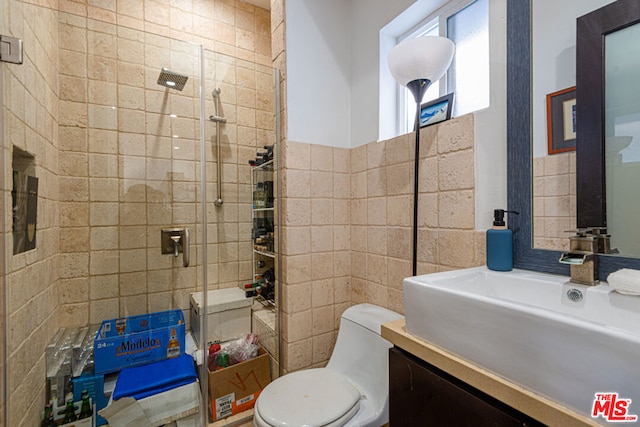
(310, 398)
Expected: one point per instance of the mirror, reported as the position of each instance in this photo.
(608, 99)
(562, 200)
(519, 152)
(553, 70)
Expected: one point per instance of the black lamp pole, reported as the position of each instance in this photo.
(418, 88)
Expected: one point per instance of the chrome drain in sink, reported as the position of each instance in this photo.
(574, 295)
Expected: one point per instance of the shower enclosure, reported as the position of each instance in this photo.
(113, 121)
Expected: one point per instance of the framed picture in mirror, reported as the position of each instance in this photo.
(561, 120)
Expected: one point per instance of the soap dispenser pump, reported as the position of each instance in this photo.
(500, 243)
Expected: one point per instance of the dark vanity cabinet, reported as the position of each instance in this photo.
(422, 395)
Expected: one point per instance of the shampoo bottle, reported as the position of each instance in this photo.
(499, 243)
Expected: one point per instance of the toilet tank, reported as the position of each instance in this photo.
(361, 354)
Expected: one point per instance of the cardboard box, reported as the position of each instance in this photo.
(156, 410)
(136, 340)
(235, 389)
(228, 314)
(58, 415)
(94, 384)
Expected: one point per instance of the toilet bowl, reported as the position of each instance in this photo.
(352, 390)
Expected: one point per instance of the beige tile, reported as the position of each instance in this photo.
(322, 238)
(322, 347)
(400, 179)
(322, 212)
(296, 212)
(341, 237)
(359, 185)
(74, 240)
(74, 290)
(342, 290)
(428, 245)
(456, 171)
(341, 160)
(377, 269)
(456, 209)
(377, 240)
(457, 249)
(321, 158)
(397, 271)
(377, 211)
(342, 263)
(322, 293)
(341, 212)
(399, 210)
(397, 150)
(377, 294)
(296, 240)
(376, 155)
(103, 309)
(456, 134)
(296, 183)
(557, 185)
(399, 242)
(341, 186)
(428, 210)
(376, 182)
(297, 355)
(321, 265)
(105, 238)
(323, 320)
(296, 298)
(558, 164)
(395, 300)
(298, 326)
(359, 238)
(428, 175)
(358, 157)
(296, 269)
(557, 206)
(321, 184)
(358, 290)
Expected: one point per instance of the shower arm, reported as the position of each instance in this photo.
(217, 119)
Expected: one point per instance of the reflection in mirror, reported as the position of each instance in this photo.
(553, 67)
(622, 133)
(607, 122)
(520, 148)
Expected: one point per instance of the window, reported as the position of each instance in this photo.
(466, 23)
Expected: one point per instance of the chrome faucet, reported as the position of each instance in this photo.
(583, 247)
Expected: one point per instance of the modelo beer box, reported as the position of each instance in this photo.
(136, 340)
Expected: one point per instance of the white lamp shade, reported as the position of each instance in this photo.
(426, 57)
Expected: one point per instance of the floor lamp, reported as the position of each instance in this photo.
(416, 63)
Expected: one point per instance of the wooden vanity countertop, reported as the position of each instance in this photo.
(536, 406)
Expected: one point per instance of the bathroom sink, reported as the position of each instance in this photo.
(562, 340)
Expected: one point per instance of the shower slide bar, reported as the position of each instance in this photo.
(218, 120)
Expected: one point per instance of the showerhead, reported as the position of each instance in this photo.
(171, 79)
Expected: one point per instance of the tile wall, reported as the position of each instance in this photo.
(347, 219)
(102, 193)
(554, 200)
(31, 117)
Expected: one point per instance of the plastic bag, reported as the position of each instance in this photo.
(237, 351)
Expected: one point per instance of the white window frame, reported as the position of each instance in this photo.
(441, 15)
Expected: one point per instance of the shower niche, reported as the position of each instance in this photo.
(24, 198)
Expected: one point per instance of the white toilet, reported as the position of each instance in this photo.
(353, 390)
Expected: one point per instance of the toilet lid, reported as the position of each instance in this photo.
(313, 398)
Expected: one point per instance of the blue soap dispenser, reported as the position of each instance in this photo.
(500, 243)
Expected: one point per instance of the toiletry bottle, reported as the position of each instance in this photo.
(500, 243)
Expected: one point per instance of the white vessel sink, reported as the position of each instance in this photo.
(524, 327)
